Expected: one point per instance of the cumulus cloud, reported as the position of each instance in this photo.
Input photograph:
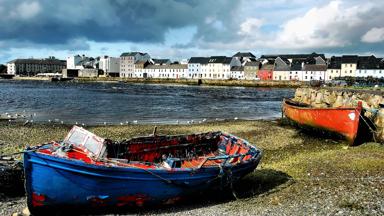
(374, 35)
(250, 25)
(25, 10)
(334, 25)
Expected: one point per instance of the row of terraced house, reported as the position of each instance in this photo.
(242, 66)
(245, 65)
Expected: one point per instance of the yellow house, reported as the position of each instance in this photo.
(348, 65)
(281, 75)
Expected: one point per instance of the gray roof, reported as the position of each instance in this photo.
(161, 61)
(210, 60)
(267, 66)
(132, 54)
(369, 62)
(296, 65)
(237, 68)
(334, 62)
(141, 62)
(39, 61)
(294, 56)
(198, 60)
(314, 67)
(252, 63)
(219, 60)
(244, 54)
(349, 59)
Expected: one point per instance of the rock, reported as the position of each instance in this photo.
(26, 212)
(339, 101)
(319, 98)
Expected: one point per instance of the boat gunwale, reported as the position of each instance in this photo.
(76, 162)
(173, 174)
(286, 102)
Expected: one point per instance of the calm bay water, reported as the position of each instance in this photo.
(96, 103)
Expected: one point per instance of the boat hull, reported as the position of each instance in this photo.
(344, 121)
(53, 182)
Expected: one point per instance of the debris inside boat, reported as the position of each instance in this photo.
(87, 170)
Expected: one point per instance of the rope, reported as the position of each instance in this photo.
(369, 126)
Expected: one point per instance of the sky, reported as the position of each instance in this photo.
(179, 29)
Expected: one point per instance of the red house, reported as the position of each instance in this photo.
(266, 71)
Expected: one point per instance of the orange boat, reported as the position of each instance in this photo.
(341, 120)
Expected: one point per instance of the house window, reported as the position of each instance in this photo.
(330, 77)
(306, 77)
(350, 71)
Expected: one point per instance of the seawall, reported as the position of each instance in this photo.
(241, 83)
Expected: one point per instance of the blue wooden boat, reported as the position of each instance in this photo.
(86, 170)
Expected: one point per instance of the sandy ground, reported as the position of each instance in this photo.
(302, 172)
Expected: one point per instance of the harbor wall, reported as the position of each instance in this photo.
(240, 83)
(372, 102)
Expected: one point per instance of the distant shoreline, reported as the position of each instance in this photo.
(204, 82)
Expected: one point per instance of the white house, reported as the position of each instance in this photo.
(281, 69)
(237, 72)
(370, 66)
(110, 65)
(370, 72)
(214, 67)
(296, 70)
(170, 71)
(195, 65)
(313, 72)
